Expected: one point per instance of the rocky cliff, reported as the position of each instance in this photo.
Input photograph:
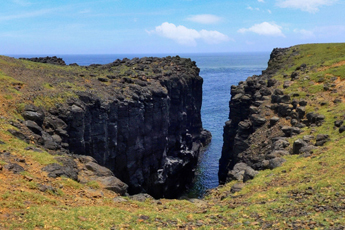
(140, 118)
(263, 118)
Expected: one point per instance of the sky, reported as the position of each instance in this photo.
(166, 26)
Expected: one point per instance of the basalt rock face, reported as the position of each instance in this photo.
(145, 128)
(258, 129)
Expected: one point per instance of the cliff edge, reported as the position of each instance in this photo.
(140, 118)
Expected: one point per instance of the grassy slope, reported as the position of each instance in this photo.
(303, 193)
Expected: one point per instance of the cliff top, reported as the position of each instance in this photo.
(48, 81)
(305, 193)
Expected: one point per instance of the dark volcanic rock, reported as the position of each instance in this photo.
(15, 168)
(49, 60)
(298, 145)
(148, 133)
(68, 168)
(321, 139)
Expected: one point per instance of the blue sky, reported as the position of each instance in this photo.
(166, 26)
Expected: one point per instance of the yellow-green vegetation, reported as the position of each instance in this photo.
(304, 193)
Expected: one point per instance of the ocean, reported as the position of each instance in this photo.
(219, 71)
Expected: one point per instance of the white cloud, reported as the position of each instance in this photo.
(261, 1)
(305, 33)
(269, 11)
(204, 18)
(251, 8)
(311, 6)
(186, 36)
(265, 28)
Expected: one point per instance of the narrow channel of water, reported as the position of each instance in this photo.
(219, 71)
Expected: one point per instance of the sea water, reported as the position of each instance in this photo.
(219, 71)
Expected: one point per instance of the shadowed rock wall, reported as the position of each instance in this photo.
(147, 129)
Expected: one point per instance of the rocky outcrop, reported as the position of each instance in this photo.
(145, 126)
(49, 60)
(256, 134)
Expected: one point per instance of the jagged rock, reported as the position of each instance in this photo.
(321, 139)
(274, 120)
(254, 110)
(49, 60)
(68, 168)
(49, 142)
(242, 172)
(297, 145)
(33, 127)
(307, 150)
(33, 113)
(15, 168)
(314, 118)
(279, 143)
(271, 82)
(245, 125)
(284, 109)
(290, 131)
(301, 112)
(258, 120)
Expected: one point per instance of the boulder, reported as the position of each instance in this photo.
(114, 184)
(33, 126)
(291, 131)
(338, 123)
(321, 139)
(301, 111)
(341, 129)
(98, 170)
(274, 120)
(297, 145)
(33, 113)
(242, 172)
(68, 168)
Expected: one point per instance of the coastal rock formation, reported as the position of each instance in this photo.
(142, 122)
(49, 60)
(262, 118)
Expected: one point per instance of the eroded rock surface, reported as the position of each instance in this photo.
(144, 125)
